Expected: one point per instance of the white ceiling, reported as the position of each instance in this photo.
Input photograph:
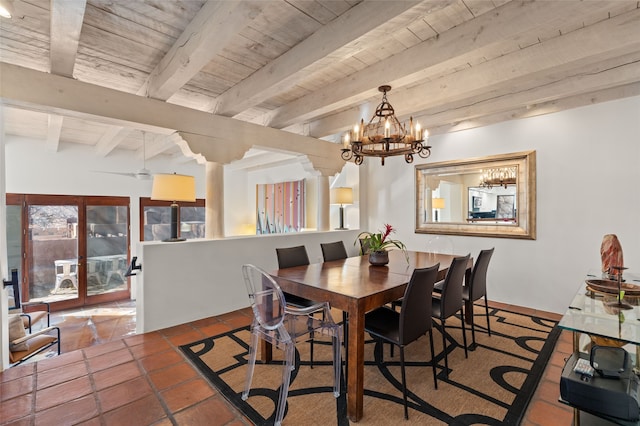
(313, 67)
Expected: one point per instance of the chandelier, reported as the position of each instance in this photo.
(502, 176)
(384, 136)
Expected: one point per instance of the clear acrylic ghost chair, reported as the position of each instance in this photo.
(282, 326)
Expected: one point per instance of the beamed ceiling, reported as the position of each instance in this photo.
(313, 67)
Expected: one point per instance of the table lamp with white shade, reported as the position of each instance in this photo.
(174, 188)
(342, 196)
(437, 204)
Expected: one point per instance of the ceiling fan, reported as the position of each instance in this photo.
(140, 174)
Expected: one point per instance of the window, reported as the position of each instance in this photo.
(155, 219)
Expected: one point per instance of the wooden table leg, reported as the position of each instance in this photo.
(266, 351)
(355, 359)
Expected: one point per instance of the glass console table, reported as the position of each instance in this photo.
(594, 313)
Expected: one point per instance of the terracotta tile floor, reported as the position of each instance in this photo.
(114, 377)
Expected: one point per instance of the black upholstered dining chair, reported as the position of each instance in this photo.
(364, 246)
(333, 251)
(413, 321)
(449, 302)
(476, 288)
(288, 257)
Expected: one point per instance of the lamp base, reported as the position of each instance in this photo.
(341, 229)
(173, 240)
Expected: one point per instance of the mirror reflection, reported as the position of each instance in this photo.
(490, 196)
(496, 204)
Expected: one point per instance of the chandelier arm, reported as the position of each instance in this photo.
(346, 155)
(425, 152)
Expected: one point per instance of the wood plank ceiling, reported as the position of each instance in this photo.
(313, 66)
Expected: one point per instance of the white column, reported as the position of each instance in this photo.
(323, 203)
(214, 200)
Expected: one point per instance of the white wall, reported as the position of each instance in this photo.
(187, 281)
(588, 170)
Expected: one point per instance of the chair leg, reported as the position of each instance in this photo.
(464, 333)
(311, 352)
(311, 336)
(251, 365)
(444, 349)
(404, 383)
(345, 340)
(433, 360)
(286, 377)
(486, 310)
(337, 362)
(473, 334)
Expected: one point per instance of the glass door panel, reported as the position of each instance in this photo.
(50, 237)
(155, 220)
(14, 241)
(52, 252)
(107, 249)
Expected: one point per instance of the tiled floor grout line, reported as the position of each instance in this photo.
(94, 388)
(156, 391)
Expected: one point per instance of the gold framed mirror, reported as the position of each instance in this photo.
(491, 196)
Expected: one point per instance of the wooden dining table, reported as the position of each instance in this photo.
(356, 287)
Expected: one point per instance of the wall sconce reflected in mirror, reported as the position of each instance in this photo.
(342, 196)
(174, 188)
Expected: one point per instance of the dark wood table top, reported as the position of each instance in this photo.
(347, 280)
(356, 287)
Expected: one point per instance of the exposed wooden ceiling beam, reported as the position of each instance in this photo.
(205, 37)
(156, 145)
(611, 76)
(507, 74)
(54, 128)
(217, 139)
(110, 139)
(455, 47)
(289, 69)
(549, 107)
(66, 24)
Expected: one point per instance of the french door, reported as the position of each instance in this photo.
(70, 250)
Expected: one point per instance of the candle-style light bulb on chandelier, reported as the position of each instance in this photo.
(384, 136)
(502, 176)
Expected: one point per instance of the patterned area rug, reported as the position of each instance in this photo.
(492, 387)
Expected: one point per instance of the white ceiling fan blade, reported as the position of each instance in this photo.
(117, 173)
